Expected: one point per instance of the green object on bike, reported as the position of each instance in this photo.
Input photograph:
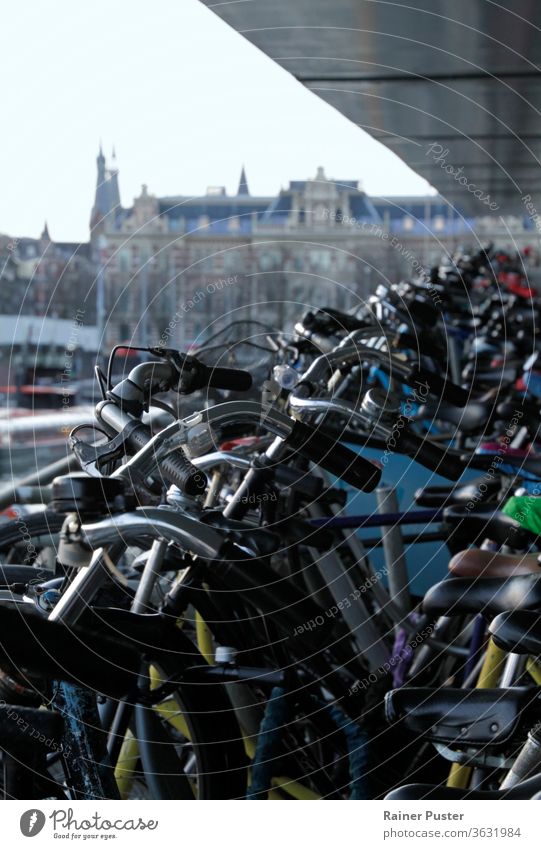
(526, 510)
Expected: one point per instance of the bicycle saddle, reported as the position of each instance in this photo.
(527, 465)
(463, 717)
(472, 418)
(438, 496)
(456, 596)
(518, 631)
(473, 524)
(485, 375)
(525, 790)
(479, 563)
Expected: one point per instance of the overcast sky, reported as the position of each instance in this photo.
(184, 99)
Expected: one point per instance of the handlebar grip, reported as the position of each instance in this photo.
(443, 389)
(314, 444)
(176, 467)
(430, 455)
(227, 378)
(180, 471)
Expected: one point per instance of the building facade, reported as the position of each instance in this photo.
(178, 268)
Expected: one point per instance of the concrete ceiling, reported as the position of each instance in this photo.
(462, 75)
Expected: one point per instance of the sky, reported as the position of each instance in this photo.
(183, 98)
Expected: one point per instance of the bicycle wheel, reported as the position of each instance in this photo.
(22, 540)
(198, 755)
(190, 745)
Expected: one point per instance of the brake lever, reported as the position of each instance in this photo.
(92, 458)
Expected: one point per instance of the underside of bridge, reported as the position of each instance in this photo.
(446, 86)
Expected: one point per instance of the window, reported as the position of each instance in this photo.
(439, 222)
(270, 260)
(232, 260)
(124, 261)
(320, 259)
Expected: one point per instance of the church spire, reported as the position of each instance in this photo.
(100, 162)
(100, 179)
(243, 184)
(114, 188)
(45, 234)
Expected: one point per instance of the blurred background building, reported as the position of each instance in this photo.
(318, 241)
(181, 265)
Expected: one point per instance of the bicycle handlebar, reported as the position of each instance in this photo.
(181, 372)
(420, 449)
(234, 379)
(353, 350)
(443, 389)
(430, 455)
(176, 467)
(323, 450)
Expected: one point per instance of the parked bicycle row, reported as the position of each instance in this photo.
(195, 609)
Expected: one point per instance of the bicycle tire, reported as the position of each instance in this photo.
(16, 531)
(218, 745)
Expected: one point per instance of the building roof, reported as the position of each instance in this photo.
(300, 185)
(280, 208)
(399, 206)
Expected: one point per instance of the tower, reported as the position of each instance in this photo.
(243, 184)
(107, 194)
